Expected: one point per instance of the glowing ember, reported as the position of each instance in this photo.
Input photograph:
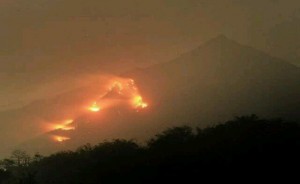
(57, 127)
(117, 86)
(62, 127)
(125, 91)
(60, 138)
(94, 107)
(139, 103)
(69, 121)
(120, 91)
(65, 125)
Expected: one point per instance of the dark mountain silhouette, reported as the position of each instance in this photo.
(213, 82)
(225, 78)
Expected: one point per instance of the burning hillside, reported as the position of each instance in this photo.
(119, 92)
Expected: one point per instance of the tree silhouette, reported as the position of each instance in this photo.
(178, 154)
(20, 157)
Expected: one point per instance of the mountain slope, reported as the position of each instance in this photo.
(212, 83)
(224, 78)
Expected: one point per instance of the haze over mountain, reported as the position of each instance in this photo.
(283, 40)
(221, 79)
(216, 81)
(43, 42)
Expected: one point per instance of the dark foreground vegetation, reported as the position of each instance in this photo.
(177, 154)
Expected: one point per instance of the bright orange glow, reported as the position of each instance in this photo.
(94, 107)
(63, 125)
(126, 91)
(139, 103)
(118, 86)
(121, 92)
(60, 138)
(57, 127)
(69, 121)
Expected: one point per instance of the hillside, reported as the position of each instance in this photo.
(225, 78)
(213, 82)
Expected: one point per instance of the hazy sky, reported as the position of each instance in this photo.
(52, 47)
(41, 40)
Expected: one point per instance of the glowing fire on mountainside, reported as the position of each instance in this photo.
(123, 90)
(60, 138)
(94, 107)
(120, 91)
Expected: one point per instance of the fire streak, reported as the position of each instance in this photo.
(60, 138)
(61, 125)
(94, 107)
(69, 121)
(119, 91)
(125, 90)
(139, 103)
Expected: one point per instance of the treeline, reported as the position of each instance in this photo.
(176, 154)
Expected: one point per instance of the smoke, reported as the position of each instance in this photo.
(117, 92)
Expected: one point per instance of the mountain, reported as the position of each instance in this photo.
(211, 83)
(221, 79)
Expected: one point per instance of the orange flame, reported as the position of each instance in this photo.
(60, 138)
(94, 107)
(117, 85)
(139, 103)
(120, 91)
(61, 125)
(128, 91)
(69, 121)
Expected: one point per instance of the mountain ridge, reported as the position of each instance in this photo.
(213, 82)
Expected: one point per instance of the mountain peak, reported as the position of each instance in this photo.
(225, 52)
(219, 46)
(222, 40)
(220, 37)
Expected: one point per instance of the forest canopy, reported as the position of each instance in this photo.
(174, 154)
